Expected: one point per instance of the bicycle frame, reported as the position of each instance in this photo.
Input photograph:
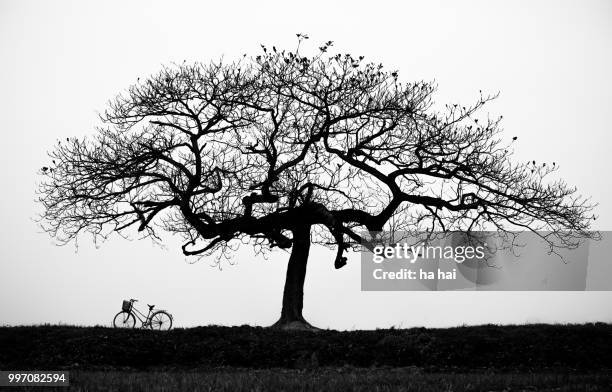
(137, 314)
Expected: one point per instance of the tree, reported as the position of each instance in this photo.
(285, 150)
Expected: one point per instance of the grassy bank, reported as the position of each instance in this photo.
(529, 348)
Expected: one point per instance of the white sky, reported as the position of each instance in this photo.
(62, 60)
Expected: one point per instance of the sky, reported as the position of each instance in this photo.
(61, 62)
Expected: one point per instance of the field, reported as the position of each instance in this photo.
(484, 358)
(343, 379)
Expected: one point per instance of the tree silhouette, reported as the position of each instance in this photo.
(284, 150)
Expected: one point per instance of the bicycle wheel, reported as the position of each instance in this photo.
(124, 319)
(161, 321)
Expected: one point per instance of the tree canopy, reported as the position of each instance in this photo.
(263, 147)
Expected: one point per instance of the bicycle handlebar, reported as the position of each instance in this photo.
(133, 300)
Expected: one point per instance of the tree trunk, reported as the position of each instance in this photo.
(293, 294)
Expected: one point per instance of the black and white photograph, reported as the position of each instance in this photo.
(306, 196)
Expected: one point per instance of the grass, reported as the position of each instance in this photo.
(489, 357)
(538, 347)
(332, 379)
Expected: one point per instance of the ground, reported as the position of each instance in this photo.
(492, 358)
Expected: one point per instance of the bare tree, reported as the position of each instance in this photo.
(285, 150)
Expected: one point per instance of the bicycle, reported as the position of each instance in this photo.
(159, 320)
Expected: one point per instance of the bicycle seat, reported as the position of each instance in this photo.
(150, 306)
